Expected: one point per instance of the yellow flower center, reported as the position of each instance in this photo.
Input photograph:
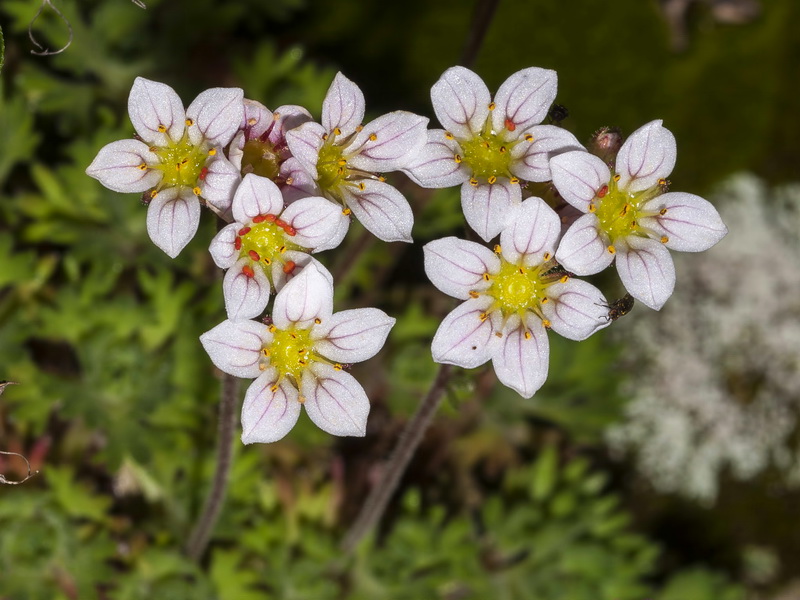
(181, 162)
(290, 352)
(331, 167)
(487, 155)
(265, 241)
(517, 289)
(260, 157)
(619, 211)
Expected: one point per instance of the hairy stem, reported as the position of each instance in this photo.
(201, 533)
(381, 493)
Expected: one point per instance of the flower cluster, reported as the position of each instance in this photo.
(288, 187)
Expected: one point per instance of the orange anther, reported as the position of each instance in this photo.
(203, 173)
(244, 231)
(602, 191)
(510, 125)
(259, 219)
(248, 272)
(289, 266)
(271, 218)
(254, 255)
(237, 243)
(290, 231)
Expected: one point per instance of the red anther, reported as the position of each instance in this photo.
(254, 255)
(289, 266)
(259, 219)
(271, 218)
(290, 230)
(203, 173)
(281, 223)
(237, 243)
(248, 272)
(510, 125)
(602, 191)
(244, 231)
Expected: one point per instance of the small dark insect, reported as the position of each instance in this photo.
(558, 113)
(620, 308)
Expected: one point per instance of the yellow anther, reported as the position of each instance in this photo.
(612, 250)
(486, 277)
(492, 105)
(502, 149)
(282, 249)
(212, 152)
(324, 136)
(514, 180)
(154, 193)
(276, 116)
(545, 300)
(662, 212)
(592, 207)
(473, 182)
(341, 162)
(189, 122)
(346, 211)
(528, 137)
(340, 171)
(143, 167)
(521, 271)
(289, 180)
(662, 182)
(457, 158)
(301, 399)
(359, 127)
(337, 131)
(492, 179)
(266, 352)
(252, 121)
(337, 367)
(528, 335)
(272, 328)
(152, 148)
(274, 388)
(196, 190)
(302, 362)
(184, 161)
(624, 210)
(487, 145)
(267, 261)
(483, 316)
(317, 320)
(547, 256)
(361, 186)
(564, 279)
(633, 224)
(161, 128)
(372, 137)
(381, 178)
(498, 248)
(177, 166)
(262, 367)
(664, 239)
(448, 135)
(617, 177)
(473, 294)
(546, 323)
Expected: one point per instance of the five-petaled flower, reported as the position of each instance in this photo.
(267, 243)
(297, 360)
(512, 297)
(343, 159)
(179, 157)
(629, 217)
(490, 146)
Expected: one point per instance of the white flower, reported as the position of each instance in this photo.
(342, 157)
(512, 297)
(487, 146)
(627, 216)
(267, 243)
(298, 360)
(178, 157)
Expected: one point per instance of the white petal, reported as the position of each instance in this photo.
(235, 347)
(456, 267)
(524, 99)
(257, 119)
(245, 297)
(335, 401)
(222, 247)
(584, 249)
(117, 167)
(304, 143)
(256, 196)
(300, 260)
(268, 416)
(382, 209)
(487, 207)
(304, 298)
(351, 336)
(464, 339)
(691, 223)
(522, 363)
(575, 309)
(532, 232)
(646, 270)
(578, 176)
(287, 117)
(531, 160)
(302, 183)
(343, 106)
(398, 137)
(435, 165)
(646, 156)
(461, 102)
(220, 183)
(152, 104)
(217, 114)
(315, 219)
(172, 219)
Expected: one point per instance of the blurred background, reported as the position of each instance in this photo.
(659, 461)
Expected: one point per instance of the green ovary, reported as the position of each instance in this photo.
(261, 159)
(290, 352)
(516, 289)
(487, 156)
(181, 162)
(331, 167)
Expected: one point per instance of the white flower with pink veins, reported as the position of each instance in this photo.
(178, 157)
(512, 297)
(341, 159)
(269, 243)
(489, 147)
(297, 360)
(628, 217)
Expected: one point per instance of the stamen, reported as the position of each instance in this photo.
(324, 137)
(359, 127)
(544, 300)
(274, 388)
(289, 266)
(662, 212)
(271, 218)
(317, 320)
(254, 256)
(448, 135)
(337, 131)
(281, 223)
(189, 122)
(161, 128)
(381, 178)
(473, 182)
(342, 162)
(602, 191)
(546, 323)
(492, 179)
(662, 182)
(290, 231)
(510, 125)
(361, 186)
(301, 399)
(624, 210)
(592, 207)
(245, 230)
(547, 256)
(282, 249)
(502, 149)
(252, 121)
(483, 316)
(498, 334)
(143, 167)
(514, 180)
(372, 137)
(248, 272)
(203, 173)
(289, 180)
(664, 239)
(486, 277)
(267, 261)
(302, 362)
(617, 177)
(564, 279)
(276, 116)
(528, 137)
(337, 367)
(212, 152)
(473, 294)
(346, 211)
(498, 248)
(196, 191)
(457, 158)
(272, 328)
(528, 335)
(262, 367)
(237, 243)
(612, 250)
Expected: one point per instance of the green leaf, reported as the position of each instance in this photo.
(544, 474)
